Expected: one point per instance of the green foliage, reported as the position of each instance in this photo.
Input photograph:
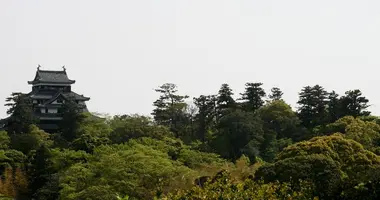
(205, 117)
(264, 149)
(253, 96)
(328, 162)
(137, 168)
(334, 107)
(354, 104)
(63, 159)
(41, 173)
(280, 118)
(222, 187)
(224, 101)
(239, 132)
(365, 132)
(92, 132)
(30, 140)
(313, 104)
(4, 140)
(127, 127)
(276, 94)
(170, 107)
(11, 159)
(196, 159)
(281, 127)
(21, 113)
(72, 118)
(16, 159)
(132, 169)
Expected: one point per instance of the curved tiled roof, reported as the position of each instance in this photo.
(48, 76)
(73, 95)
(69, 95)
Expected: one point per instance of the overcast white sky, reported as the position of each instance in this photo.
(119, 51)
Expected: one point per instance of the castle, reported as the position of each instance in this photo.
(50, 89)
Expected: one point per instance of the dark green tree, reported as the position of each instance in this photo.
(127, 127)
(253, 96)
(281, 125)
(93, 131)
(224, 101)
(205, 117)
(21, 114)
(306, 108)
(170, 108)
(72, 117)
(239, 132)
(42, 173)
(313, 106)
(333, 107)
(354, 104)
(29, 141)
(276, 94)
(320, 102)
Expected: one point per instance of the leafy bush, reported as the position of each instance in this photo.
(221, 187)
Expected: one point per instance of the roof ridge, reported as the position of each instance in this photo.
(51, 71)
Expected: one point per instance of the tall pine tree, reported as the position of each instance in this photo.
(170, 107)
(253, 96)
(206, 114)
(21, 113)
(333, 107)
(354, 104)
(224, 101)
(276, 94)
(313, 106)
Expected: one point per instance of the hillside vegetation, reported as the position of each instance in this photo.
(215, 148)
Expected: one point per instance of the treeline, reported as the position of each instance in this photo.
(255, 122)
(217, 147)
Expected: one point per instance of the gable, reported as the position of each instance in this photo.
(55, 100)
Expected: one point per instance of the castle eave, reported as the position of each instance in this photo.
(51, 118)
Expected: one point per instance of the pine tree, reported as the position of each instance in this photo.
(40, 170)
(354, 104)
(333, 107)
(206, 114)
(253, 96)
(224, 101)
(276, 94)
(21, 114)
(170, 107)
(306, 109)
(321, 99)
(313, 106)
(72, 117)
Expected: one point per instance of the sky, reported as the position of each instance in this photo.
(119, 51)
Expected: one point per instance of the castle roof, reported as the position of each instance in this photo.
(53, 95)
(52, 77)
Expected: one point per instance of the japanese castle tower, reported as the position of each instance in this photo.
(49, 90)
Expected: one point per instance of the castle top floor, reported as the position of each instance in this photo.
(50, 78)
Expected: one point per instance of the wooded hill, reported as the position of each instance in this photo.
(218, 147)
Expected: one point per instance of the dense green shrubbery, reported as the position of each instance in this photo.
(221, 187)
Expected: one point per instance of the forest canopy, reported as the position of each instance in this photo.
(255, 146)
